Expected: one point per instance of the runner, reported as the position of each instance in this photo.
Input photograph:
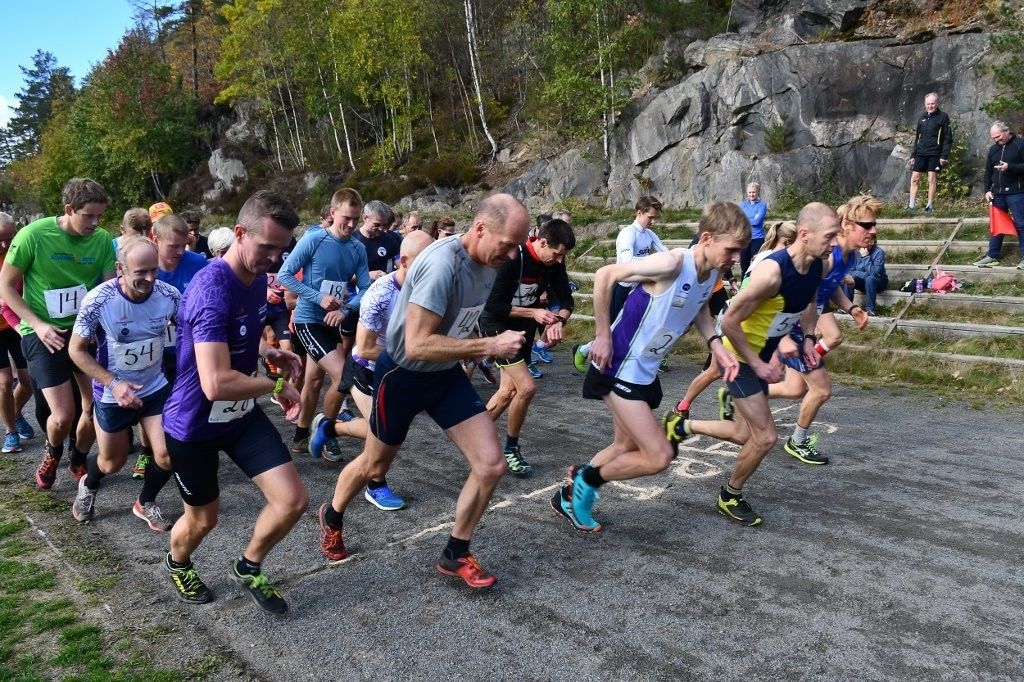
(15, 385)
(374, 315)
(328, 259)
(515, 303)
(812, 385)
(673, 294)
(419, 371)
(127, 319)
(380, 243)
(212, 406)
(780, 292)
(57, 260)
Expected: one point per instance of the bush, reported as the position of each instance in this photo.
(779, 137)
(957, 178)
(451, 171)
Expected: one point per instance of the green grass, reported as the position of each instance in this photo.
(1013, 287)
(943, 313)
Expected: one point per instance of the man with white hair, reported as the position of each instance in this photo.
(1004, 187)
(932, 145)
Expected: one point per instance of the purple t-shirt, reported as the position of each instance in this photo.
(216, 308)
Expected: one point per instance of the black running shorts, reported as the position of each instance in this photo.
(597, 384)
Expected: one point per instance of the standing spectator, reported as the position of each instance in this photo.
(932, 143)
(755, 208)
(1004, 187)
(867, 275)
(220, 240)
(196, 241)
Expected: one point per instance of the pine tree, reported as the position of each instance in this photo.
(45, 84)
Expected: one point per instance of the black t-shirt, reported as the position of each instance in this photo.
(521, 283)
(381, 251)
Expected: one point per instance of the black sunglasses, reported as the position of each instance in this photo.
(866, 225)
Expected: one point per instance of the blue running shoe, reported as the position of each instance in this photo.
(561, 502)
(25, 430)
(12, 443)
(318, 435)
(541, 353)
(384, 498)
(346, 415)
(534, 372)
(584, 497)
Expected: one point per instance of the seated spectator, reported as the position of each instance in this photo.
(867, 275)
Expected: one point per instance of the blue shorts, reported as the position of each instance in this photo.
(112, 418)
(797, 362)
(255, 447)
(746, 383)
(401, 394)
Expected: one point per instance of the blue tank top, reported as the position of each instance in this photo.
(834, 278)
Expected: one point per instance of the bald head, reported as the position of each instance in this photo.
(499, 227)
(414, 243)
(816, 216)
(502, 209)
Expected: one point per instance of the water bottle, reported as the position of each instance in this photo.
(918, 285)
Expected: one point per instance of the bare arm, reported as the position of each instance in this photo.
(366, 343)
(764, 283)
(220, 382)
(423, 343)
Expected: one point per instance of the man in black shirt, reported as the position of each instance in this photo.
(382, 245)
(515, 304)
(1004, 187)
(196, 241)
(932, 145)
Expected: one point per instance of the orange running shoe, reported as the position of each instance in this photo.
(46, 474)
(332, 544)
(467, 568)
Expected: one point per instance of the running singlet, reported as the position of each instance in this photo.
(375, 312)
(179, 278)
(448, 283)
(59, 269)
(775, 316)
(649, 325)
(834, 278)
(327, 263)
(635, 242)
(129, 334)
(217, 308)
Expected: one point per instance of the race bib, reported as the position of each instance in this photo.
(659, 344)
(137, 355)
(465, 323)
(782, 323)
(62, 303)
(170, 334)
(224, 411)
(335, 289)
(526, 295)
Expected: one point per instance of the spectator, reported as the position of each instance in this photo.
(756, 209)
(220, 240)
(932, 144)
(1004, 187)
(196, 241)
(867, 275)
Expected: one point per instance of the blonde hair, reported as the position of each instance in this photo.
(779, 232)
(857, 206)
(164, 226)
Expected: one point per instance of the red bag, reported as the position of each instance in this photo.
(999, 222)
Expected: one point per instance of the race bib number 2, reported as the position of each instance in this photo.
(660, 344)
(224, 411)
(62, 303)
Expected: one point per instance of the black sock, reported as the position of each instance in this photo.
(154, 481)
(55, 451)
(333, 518)
(245, 566)
(373, 485)
(456, 548)
(174, 564)
(300, 433)
(93, 474)
(511, 442)
(592, 476)
(77, 456)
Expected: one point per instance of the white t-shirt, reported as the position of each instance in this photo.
(635, 241)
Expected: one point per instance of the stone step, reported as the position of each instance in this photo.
(1010, 304)
(944, 328)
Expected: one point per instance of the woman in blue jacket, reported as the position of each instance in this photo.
(756, 210)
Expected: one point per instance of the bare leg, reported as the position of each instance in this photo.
(287, 500)
(477, 439)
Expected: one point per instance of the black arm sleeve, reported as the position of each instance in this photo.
(947, 138)
(506, 283)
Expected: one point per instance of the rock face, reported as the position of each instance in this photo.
(228, 175)
(850, 108)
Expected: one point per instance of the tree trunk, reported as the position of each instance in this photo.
(474, 59)
(195, 49)
(273, 119)
(337, 84)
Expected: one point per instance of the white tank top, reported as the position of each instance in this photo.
(648, 326)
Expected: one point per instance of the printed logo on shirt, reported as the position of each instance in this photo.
(381, 251)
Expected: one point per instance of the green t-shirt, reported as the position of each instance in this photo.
(59, 269)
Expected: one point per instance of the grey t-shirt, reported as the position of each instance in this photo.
(445, 281)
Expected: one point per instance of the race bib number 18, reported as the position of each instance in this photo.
(331, 288)
(62, 303)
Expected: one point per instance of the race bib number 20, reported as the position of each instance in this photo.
(224, 411)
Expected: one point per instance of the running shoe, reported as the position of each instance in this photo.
(259, 588)
(928, 208)
(46, 473)
(346, 415)
(736, 509)
(542, 354)
(487, 372)
(584, 497)
(300, 445)
(85, 503)
(663, 366)
(561, 502)
(332, 544)
(517, 466)
(187, 585)
(986, 262)
(12, 443)
(141, 462)
(270, 368)
(534, 371)
(384, 498)
(579, 360)
(317, 441)
(804, 452)
(78, 470)
(672, 422)
(332, 450)
(1020, 265)
(468, 569)
(150, 513)
(25, 430)
(726, 409)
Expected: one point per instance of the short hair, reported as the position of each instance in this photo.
(562, 214)
(325, 212)
(724, 219)
(346, 196)
(646, 203)
(442, 223)
(219, 239)
(128, 244)
(858, 206)
(558, 233)
(781, 231)
(191, 217)
(410, 216)
(1002, 126)
(932, 94)
(755, 185)
(812, 215)
(137, 222)
(7, 219)
(81, 191)
(543, 219)
(379, 208)
(266, 204)
(171, 222)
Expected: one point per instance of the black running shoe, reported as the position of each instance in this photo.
(736, 509)
(259, 588)
(805, 452)
(187, 585)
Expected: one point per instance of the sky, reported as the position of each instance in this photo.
(77, 32)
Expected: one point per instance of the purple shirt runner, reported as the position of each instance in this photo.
(217, 307)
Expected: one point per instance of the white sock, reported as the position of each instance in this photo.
(799, 435)
(540, 344)
(585, 348)
(911, 204)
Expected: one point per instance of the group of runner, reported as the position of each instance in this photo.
(143, 332)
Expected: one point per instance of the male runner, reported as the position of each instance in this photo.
(673, 293)
(437, 310)
(58, 260)
(380, 242)
(515, 303)
(780, 293)
(212, 407)
(127, 319)
(328, 259)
